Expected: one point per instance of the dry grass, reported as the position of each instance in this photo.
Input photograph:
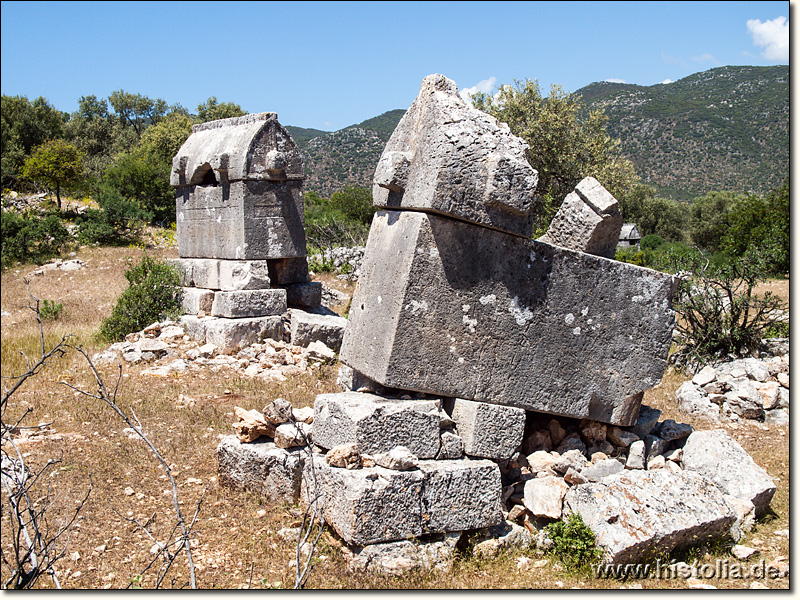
(237, 531)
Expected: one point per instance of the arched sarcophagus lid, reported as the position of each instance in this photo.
(253, 147)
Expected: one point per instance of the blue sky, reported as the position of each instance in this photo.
(332, 64)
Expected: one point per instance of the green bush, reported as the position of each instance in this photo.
(118, 222)
(719, 314)
(651, 242)
(355, 203)
(154, 293)
(573, 543)
(630, 255)
(31, 237)
(50, 310)
(342, 223)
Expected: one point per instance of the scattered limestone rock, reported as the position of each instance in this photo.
(397, 459)
(601, 469)
(345, 456)
(292, 435)
(251, 425)
(544, 496)
(636, 455)
(435, 552)
(720, 458)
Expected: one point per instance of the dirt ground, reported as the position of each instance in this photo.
(236, 543)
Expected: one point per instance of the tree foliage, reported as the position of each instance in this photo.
(25, 125)
(708, 218)
(564, 145)
(654, 215)
(31, 238)
(211, 110)
(55, 164)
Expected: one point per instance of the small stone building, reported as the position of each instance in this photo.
(629, 236)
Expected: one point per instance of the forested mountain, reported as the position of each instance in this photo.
(722, 129)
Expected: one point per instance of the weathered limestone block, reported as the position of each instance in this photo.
(453, 309)
(262, 468)
(373, 505)
(460, 494)
(447, 157)
(243, 275)
(232, 334)
(435, 552)
(717, 456)
(197, 300)
(239, 190)
(637, 515)
(587, 221)
(198, 272)
(452, 446)
(308, 327)
(377, 424)
(249, 303)
(304, 295)
(488, 430)
(544, 496)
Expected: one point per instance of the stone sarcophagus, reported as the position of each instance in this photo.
(239, 191)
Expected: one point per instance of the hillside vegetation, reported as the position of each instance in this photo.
(723, 129)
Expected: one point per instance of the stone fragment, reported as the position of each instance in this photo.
(601, 469)
(655, 445)
(636, 515)
(538, 440)
(434, 552)
(783, 379)
(745, 516)
(770, 395)
(705, 376)
(541, 461)
(251, 425)
(320, 351)
(239, 191)
(397, 459)
(262, 468)
(620, 437)
(672, 467)
(249, 303)
(675, 455)
(571, 442)
(604, 447)
(669, 430)
(656, 462)
(292, 435)
(544, 496)
(588, 221)
(571, 459)
(783, 400)
(435, 293)
(197, 300)
(278, 411)
(304, 414)
(592, 431)
(743, 552)
(351, 380)
(503, 536)
(778, 416)
(452, 446)
(756, 369)
(692, 400)
(345, 456)
(720, 458)
(488, 430)
(447, 157)
(377, 424)
(308, 327)
(557, 432)
(574, 477)
(636, 455)
(646, 421)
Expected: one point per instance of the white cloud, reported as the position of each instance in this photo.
(706, 58)
(667, 81)
(614, 80)
(773, 36)
(484, 86)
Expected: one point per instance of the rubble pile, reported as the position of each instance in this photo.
(746, 388)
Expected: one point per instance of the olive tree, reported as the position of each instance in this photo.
(55, 164)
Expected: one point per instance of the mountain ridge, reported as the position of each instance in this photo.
(722, 129)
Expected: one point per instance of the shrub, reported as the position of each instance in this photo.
(119, 221)
(651, 242)
(630, 255)
(154, 293)
(718, 313)
(573, 543)
(30, 237)
(50, 310)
